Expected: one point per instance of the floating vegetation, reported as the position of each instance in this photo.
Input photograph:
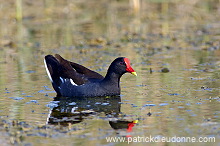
(174, 47)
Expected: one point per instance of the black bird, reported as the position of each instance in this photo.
(70, 79)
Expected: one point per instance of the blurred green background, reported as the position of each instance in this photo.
(181, 35)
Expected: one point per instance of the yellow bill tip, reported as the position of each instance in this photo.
(134, 73)
(135, 121)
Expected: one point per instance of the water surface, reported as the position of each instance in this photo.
(182, 36)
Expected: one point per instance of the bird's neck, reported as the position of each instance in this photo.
(112, 77)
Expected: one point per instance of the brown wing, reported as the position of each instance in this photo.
(78, 73)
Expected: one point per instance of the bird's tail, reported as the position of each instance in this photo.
(52, 66)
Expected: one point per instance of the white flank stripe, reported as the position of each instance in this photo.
(48, 72)
(62, 80)
(71, 81)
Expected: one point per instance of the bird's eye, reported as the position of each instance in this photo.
(122, 63)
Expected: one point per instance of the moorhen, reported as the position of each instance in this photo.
(70, 79)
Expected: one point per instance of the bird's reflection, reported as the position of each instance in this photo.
(72, 110)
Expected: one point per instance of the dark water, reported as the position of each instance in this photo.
(182, 36)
